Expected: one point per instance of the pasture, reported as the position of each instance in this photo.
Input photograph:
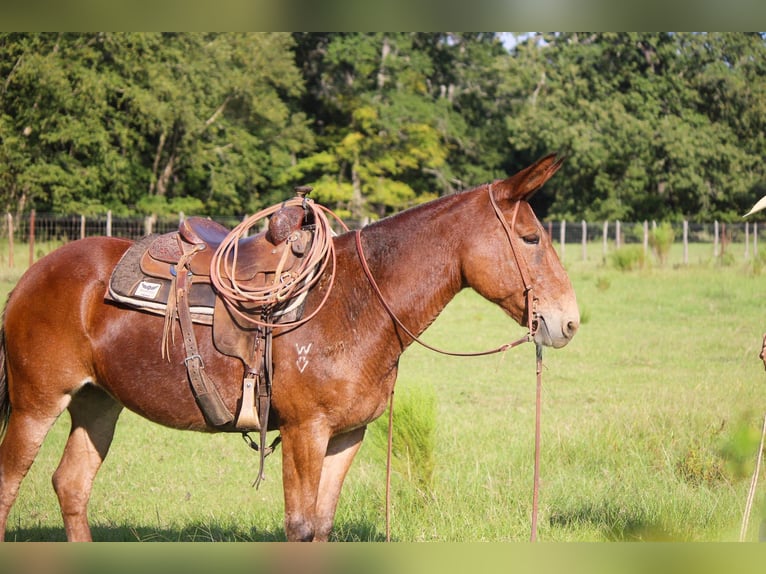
(651, 423)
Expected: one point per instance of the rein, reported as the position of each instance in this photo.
(532, 325)
(524, 272)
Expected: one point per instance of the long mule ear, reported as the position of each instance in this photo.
(525, 183)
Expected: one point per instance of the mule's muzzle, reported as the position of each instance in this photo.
(556, 331)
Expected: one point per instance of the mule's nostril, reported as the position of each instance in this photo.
(571, 328)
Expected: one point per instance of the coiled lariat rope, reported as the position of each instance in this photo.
(285, 287)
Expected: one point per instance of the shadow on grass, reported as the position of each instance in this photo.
(616, 524)
(351, 532)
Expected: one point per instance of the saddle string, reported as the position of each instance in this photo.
(171, 312)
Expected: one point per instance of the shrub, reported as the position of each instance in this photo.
(414, 436)
(661, 240)
(628, 258)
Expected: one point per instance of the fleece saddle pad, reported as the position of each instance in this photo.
(132, 286)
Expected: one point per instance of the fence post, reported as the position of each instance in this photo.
(562, 237)
(31, 237)
(617, 240)
(747, 240)
(646, 236)
(82, 227)
(604, 239)
(584, 240)
(10, 240)
(109, 223)
(715, 238)
(686, 242)
(149, 224)
(755, 239)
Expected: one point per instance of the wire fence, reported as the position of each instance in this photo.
(574, 240)
(740, 239)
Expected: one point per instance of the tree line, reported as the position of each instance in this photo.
(658, 126)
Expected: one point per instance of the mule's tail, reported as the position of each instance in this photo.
(5, 401)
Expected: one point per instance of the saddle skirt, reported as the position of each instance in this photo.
(148, 290)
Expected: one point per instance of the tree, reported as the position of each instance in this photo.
(113, 120)
(394, 116)
(633, 112)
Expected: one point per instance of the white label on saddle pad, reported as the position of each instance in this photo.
(147, 290)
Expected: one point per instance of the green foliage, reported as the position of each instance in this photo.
(111, 120)
(661, 240)
(628, 258)
(640, 116)
(657, 126)
(739, 449)
(414, 436)
(724, 455)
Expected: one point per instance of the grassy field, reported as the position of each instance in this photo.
(651, 425)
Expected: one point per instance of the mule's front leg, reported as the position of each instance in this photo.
(340, 454)
(303, 450)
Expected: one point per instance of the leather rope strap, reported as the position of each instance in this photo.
(532, 325)
(205, 391)
(263, 394)
(538, 417)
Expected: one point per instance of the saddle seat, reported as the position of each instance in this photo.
(258, 257)
(200, 230)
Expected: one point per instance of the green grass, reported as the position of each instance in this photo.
(651, 422)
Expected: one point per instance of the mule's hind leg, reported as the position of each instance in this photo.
(24, 435)
(94, 415)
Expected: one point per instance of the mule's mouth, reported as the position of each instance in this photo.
(555, 334)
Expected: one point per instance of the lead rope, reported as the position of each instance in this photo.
(538, 416)
(388, 464)
(531, 303)
(532, 322)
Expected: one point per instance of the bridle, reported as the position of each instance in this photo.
(531, 300)
(532, 320)
(532, 325)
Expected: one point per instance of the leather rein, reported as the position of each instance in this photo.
(532, 325)
(531, 301)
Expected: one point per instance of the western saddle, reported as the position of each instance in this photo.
(185, 275)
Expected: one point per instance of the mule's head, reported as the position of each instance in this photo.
(513, 254)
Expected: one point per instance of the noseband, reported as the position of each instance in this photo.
(531, 301)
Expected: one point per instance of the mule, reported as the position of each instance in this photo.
(64, 347)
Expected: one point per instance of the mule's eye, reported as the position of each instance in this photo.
(531, 239)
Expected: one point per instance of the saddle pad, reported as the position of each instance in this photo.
(130, 286)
